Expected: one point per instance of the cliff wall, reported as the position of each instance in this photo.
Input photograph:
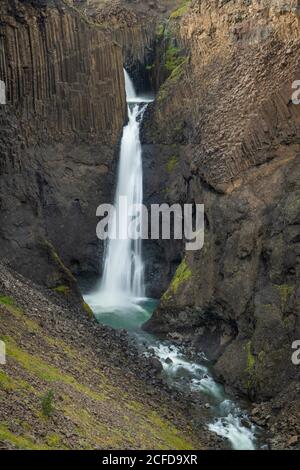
(232, 143)
(59, 136)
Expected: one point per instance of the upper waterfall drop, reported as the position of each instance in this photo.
(131, 95)
(122, 282)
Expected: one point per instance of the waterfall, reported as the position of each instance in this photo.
(122, 282)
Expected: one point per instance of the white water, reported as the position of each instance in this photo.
(118, 298)
(122, 283)
(230, 422)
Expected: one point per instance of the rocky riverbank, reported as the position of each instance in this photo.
(70, 383)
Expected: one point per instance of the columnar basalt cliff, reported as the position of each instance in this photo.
(136, 26)
(233, 144)
(59, 135)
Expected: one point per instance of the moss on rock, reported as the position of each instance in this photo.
(181, 10)
(183, 274)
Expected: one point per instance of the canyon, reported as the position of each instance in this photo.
(223, 132)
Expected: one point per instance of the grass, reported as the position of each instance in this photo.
(10, 384)
(45, 371)
(47, 403)
(5, 300)
(10, 305)
(20, 442)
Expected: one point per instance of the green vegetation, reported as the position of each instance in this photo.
(5, 300)
(160, 30)
(11, 306)
(182, 10)
(250, 367)
(285, 291)
(174, 58)
(93, 405)
(172, 163)
(169, 433)
(47, 403)
(62, 289)
(20, 442)
(54, 441)
(173, 78)
(183, 274)
(36, 366)
(10, 384)
(88, 309)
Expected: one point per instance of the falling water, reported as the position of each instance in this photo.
(122, 282)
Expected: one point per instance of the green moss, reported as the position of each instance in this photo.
(285, 291)
(18, 441)
(54, 441)
(174, 58)
(47, 372)
(62, 289)
(172, 163)
(11, 306)
(183, 274)
(250, 368)
(168, 433)
(177, 71)
(88, 309)
(182, 10)
(5, 300)
(11, 384)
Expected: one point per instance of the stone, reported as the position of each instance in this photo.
(293, 441)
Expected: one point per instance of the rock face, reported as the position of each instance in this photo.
(59, 136)
(233, 144)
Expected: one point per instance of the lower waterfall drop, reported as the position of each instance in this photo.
(122, 283)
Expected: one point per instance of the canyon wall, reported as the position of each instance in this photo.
(225, 132)
(60, 131)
